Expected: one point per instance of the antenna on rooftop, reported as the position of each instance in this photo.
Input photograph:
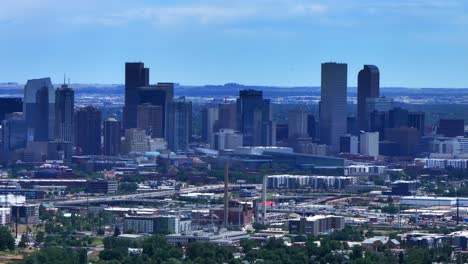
(64, 78)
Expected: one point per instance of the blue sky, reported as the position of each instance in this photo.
(415, 43)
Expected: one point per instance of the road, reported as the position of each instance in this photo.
(129, 197)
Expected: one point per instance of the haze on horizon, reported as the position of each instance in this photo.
(415, 43)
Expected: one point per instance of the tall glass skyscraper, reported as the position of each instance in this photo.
(333, 104)
(64, 114)
(136, 75)
(39, 109)
(88, 131)
(368, 87)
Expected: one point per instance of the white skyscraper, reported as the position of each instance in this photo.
(369, 144)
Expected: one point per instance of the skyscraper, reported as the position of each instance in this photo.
(254, 119)
(182, 132)
(136, 75)
(64, 114)
(333, 104)
(368, 87)
(10, 105)
(227, 117)
(111, 137)
(209, 117)
(150, 119)
(88, 131)
(162, 95)
(297, 123)
(13, 134)
(39, 115)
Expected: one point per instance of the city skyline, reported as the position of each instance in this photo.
(251, 42)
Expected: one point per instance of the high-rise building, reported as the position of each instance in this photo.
(179, 141)
(297, 123)
(162, 95)
(209, 118)
(311, 126)
(226, 139)
(398, 117)
(112, 137)
(136, 75)
(349, 144)
(39, 109)
(14, 134)
(333, 105)
(227, 117)
(379, 104)
(451, 127)
(254, 119)
(88, 131)
(369, 144)
(378, 122)
(135, 140)
(10, 105)
(64, 114)
(417, 120)
(150, 119)
(368, 87)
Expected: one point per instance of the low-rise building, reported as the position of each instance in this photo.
(316, 225)
(150, 224)
(220, 237)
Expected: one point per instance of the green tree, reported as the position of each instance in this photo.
(23, 242)
(6, 239)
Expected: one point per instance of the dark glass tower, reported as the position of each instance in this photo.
(10, 105)
(136, 75)
(39, 120)
(111, 137)
(180, 138)
(64, 114)
(368, 87)
(88, 131)
(254, 119)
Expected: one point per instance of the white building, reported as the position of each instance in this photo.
(9, 199)
(135, 141)
(364, 170)
(427, 201)
(227, 139)
(222, 237)
(369, 144)
(449, 147)
(5, 214)
(443, 163)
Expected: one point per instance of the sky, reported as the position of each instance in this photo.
(415, 43)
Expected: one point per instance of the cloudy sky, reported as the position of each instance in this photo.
(415, 43)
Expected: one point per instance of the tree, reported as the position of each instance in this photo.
(6, 239)
(116, 231)
(128, 187)
(23, 242)
(40, 236)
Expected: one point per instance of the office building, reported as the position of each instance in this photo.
(10, 105)
(101, 186)
(227, 117)
(135, 141)
(64, 114)
(311, 126)
(150, 119)
(349, 144)
(39, 109)
(182, 133)
(210, 116)
(333, 104)
(297, 123)
(25, 214)
(227, 139)
(316, 225)
(161, 94)
(14, 131)
(59, 150)
(254, 119)
(222, 238)
(368, 87)
(112, 137)
(407, 139)
(417, 120)
(398, 117)
(288, 181)
(88, 131)
(151, 224)
(136, 75)
(451, 127)
(369, 144)
(378, 122)
(352, 126)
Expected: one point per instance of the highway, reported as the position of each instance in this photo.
(129, 197)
